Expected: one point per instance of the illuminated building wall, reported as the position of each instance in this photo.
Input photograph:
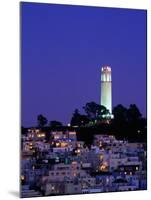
(106, 88)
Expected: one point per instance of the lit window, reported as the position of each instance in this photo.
(53, 187)
(101, 157)
(22, 177)
(57, 144)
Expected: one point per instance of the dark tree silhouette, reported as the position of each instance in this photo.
(102, 112)
(133, 113)
(135, 121)
(23, 130)
(91, 110)
(120, 121)
(42, 121)
(78, 119)
(128, 123)
(120, 114)
(55, 124)
(95, 111)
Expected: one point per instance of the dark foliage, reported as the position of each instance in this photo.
(95, 111)
(127, 123)
(55, 124)
(78, 119)
(42, 121)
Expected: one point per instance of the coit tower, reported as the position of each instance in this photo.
(106, 88)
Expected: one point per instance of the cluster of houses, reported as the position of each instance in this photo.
(60, 164)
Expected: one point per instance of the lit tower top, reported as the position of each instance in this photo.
(106, 88)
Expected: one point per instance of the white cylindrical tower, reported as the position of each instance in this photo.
(106, 88)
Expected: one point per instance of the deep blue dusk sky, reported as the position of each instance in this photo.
(63, 49)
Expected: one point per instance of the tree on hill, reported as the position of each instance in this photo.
(41, 120)
(55, 124)
(95, 111)
(120, 114)
(133, 113)
(78, 119)
(129, 123)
